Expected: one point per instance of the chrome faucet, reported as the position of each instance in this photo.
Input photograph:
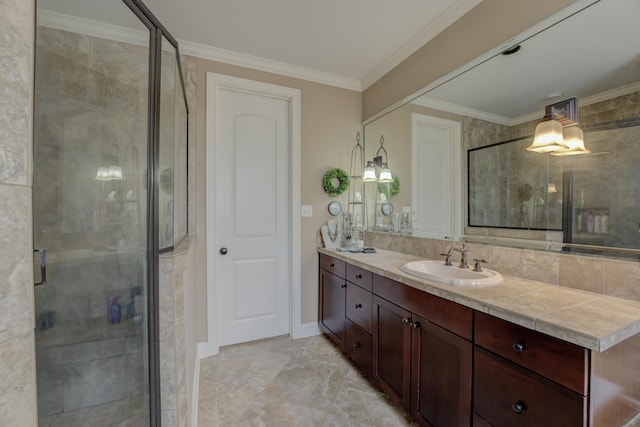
(478, 264)
(447, 259)
(463, 255)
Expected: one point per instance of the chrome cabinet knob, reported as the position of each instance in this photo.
(519, 347)
(518, 407)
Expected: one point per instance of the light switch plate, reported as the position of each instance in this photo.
(306, 210)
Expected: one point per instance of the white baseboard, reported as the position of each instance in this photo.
(206, 349)
(305, 330)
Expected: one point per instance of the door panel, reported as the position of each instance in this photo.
(252, 215)
(441, 376)
(392, 350)
(436, 194)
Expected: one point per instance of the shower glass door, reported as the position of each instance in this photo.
(89, 214)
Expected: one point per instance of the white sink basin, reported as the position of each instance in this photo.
(452, 275)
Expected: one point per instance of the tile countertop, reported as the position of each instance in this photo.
(593, 321)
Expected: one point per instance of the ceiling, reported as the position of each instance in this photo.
(587, 55)
(347, 43)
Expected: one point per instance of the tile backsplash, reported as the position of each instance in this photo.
(605, 276)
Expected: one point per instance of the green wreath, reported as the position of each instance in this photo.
(328, 182)
(390, 189)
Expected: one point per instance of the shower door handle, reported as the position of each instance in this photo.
(43, 266)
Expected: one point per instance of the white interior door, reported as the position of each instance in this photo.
(252, 263)
(436, 171)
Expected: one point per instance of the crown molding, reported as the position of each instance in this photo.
(267, 65)
(88, 27)
(425, 101)
(450, 107)
(613, 93)
(444, 20)
(126, 35)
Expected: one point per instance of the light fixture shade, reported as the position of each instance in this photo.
(103, 174)
(385, 174)
(115, 172)
(548, 137)
(369, 173)
(574, 142)
(551, 188)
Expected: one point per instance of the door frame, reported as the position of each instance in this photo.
(215, 82)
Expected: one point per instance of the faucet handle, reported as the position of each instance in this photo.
(478, 266)
(447, 260)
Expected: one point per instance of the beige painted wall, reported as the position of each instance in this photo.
(330, 119)
(485, 27)
(17, 344)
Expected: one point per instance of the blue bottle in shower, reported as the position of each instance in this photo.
(116, 311)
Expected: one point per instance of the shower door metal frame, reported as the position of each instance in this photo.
(157, 32)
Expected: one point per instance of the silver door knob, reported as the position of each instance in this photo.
(223, 251)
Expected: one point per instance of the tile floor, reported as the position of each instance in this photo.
(284, 382)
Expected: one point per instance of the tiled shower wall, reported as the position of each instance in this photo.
(17, 370)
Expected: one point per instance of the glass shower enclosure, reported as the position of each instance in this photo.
(97, 132)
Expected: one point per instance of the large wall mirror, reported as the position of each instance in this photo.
(497, 189)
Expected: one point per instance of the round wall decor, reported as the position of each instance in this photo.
(335, 208)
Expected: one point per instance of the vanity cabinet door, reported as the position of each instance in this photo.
(392, 350)
(332, 306)
(441, 375)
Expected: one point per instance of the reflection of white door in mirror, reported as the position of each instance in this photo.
(436, 176)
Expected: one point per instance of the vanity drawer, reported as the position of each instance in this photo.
(562, 362)
(358, 347)
(508, 395)
(359, 306)
(332, 265)
(359, 276)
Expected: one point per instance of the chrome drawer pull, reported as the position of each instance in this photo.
(358, 305)
(519, 407)
(518, 347)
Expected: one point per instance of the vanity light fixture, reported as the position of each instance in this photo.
(573, 141)
(369, 173)
(548, 136)
(103, 174)
(558, 133)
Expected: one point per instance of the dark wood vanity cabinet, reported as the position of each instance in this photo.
(429, 354)
(421, 363)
